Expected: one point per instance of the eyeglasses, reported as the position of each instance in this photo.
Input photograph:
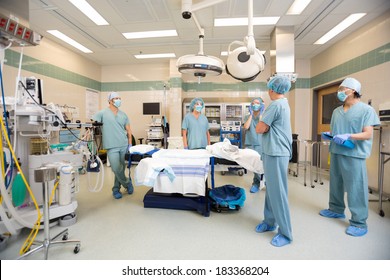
(344, 89)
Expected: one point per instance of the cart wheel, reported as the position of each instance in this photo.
(65, 236)
(240, 173)
(76, 249)
(381, 213)
(223, 172)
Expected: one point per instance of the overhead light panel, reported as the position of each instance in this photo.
(69, 40)
(244, 21)
(89, 11)
(339, 28)
(297, 7)
(150, 34)
(156, 55)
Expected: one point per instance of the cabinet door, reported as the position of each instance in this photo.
(213, 114)
(234, 112)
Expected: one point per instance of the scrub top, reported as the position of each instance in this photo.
(278, 140)
(353, 121)
(251, 137)
(114, 128)
(196, 130)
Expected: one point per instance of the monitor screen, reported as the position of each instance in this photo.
(151, 108)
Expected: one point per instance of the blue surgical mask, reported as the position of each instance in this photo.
(256, 107)
(198, 108)
(341, 96)
(117, 103)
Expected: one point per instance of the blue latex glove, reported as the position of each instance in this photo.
(262, 107)
(185, 148)
(250, 110)
(128, 147)
(341, 138)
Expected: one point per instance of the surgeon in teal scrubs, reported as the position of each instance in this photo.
(276, 133)
(195, 127)
(253, 139)
(353, 121)
(117, 140)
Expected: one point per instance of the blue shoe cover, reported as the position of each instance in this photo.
(254, 189)
(356, 231)
(280, 240)
(117, 194)
(330, 214)
(263, 227)
(130, 188)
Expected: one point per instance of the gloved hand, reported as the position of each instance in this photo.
(250, 110)
(186, 148)
(262, 107)
(128, 147)
(341, 138)
(326, 135)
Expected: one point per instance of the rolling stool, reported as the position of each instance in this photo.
(44, 175)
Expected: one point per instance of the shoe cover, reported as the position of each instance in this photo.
(130, 188)
(117, 195)
(280, 240)
(356, 231)
(330, 214)
(254, 189)
(263, 227)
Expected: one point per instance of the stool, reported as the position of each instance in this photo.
(140, 140)
(44, 175)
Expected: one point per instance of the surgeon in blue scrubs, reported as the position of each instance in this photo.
(353, 121)
(276, 133)
(253, 139)
(195, 127)
(117, 140)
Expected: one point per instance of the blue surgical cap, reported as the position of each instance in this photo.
(194, 101)
(259, 99)
(279, 84)
(352, 84)
(112, 95)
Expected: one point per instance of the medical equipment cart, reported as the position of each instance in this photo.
(232, 131)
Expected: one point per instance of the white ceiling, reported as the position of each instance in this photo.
(111, 48)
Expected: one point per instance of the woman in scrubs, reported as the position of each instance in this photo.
(353, 121)
(276, 133)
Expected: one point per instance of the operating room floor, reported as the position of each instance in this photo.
(123, 229)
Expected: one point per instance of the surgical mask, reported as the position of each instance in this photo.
(198, 108)
(117, 103)
(341, 96)
(256, 107)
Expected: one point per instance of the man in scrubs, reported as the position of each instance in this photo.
(253, 139)
(276, 133)
(195, 127)
(354, 122)
(117, 141)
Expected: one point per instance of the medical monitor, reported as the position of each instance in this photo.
(152, 108)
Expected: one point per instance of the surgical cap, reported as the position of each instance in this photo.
(279, 84)
(352, 84)
(112, 95)
(194, 101)
(259, 99)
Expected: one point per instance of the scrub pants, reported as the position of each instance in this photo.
(349, 174)
(116, 156)
(276, 209)
(256, 176)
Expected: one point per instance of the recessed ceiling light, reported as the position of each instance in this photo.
(89, 11)
(69, 40)
(297, 7)
(244, 21)
(155, 55)
(339, 28)
(150, 34)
